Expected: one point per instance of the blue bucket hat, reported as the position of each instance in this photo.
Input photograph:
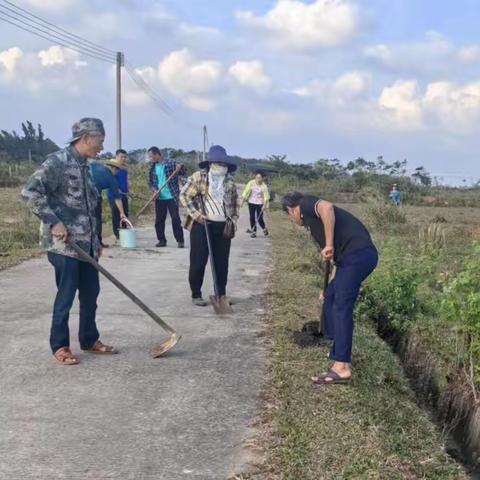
(217, 154)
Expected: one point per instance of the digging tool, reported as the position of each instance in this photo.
(134, 218)
(159, 349)
(321, 324)
(220, 304)
(312, 333)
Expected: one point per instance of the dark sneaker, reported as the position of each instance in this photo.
(249, 231)
(199, 302)
(181, 244)
(253, 235)
(161, 244)
(265, 232)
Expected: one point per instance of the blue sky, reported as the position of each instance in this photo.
(312, 79)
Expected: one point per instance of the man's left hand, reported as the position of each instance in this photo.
(327, 253)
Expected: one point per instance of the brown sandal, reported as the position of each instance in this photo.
(64, 356)
(101, 348)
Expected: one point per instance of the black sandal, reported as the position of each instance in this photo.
(331, 377)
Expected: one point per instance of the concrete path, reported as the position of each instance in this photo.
(184, 416)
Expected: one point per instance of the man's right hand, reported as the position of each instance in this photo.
(200, 219)
(59, 231)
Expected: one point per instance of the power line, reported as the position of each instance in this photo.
(140, 82)
(59, 43)
(62, 31)
(53, 38)
(155, 97)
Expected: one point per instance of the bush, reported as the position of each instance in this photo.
(379, 214)
(390, 298)
(461, 306)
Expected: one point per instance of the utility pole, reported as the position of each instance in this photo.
(204, 141)
(120, 64)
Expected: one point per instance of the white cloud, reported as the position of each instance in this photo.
(469, 54)
(400, 105)
(9, 59)
(298, 25)
(250, 74)
(412, 56)
(58, 55)
(191, 79)
(444, 106)
(50, 5)
(343, 91)
(456, 106)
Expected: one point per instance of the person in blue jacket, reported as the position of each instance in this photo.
(119, 166)
(104, 179)
(394, 195)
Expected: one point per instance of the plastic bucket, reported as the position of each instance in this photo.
(128, 236)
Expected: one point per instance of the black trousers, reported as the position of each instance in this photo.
(161, 208)
(256, 215)
(116, 215)
(98, 216)
(72, 275)
(199, 256)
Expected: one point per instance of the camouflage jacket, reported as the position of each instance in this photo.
(62, 190)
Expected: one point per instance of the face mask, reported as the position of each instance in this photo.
(218, 169)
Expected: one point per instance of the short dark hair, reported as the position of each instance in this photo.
(121, 151)
(154, 150)
(259, 172)
(291, 200)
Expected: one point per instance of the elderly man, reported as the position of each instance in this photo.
(160, 170)
(346, 241)
(63, 195)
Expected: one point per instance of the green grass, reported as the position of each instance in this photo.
(371, 430)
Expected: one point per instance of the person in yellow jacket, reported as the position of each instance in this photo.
(258, 197)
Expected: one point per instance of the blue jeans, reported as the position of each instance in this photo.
(340, 297)
(72, 275)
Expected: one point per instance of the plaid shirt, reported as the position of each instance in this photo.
(170, 166)
(197, 185)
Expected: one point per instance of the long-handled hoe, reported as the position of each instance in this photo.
(156, 351)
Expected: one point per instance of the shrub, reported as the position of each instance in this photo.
(461, 306)
(379, 214)
(390, 298)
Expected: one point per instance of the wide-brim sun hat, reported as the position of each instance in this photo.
(115, 163)
(217, 154)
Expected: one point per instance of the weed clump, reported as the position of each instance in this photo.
(380, 214)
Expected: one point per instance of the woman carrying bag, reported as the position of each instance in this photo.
(258, 197)
(210, 195)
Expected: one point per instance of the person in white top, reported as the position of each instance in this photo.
(258, 197)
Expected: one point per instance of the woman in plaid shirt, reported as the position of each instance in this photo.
(213, 184)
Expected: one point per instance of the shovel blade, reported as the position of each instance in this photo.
(221, 305)
(164, 347)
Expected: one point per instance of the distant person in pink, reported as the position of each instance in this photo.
(258, 197)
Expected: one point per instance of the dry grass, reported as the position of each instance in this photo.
(18, 229)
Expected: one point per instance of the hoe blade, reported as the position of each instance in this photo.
(164, 347)
(221, 305)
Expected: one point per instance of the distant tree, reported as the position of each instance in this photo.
(422, 176)
(15, 148)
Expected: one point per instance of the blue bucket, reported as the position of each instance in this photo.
(128, 236)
